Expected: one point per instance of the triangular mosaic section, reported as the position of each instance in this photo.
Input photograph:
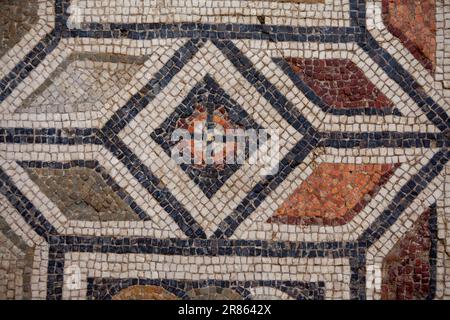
(333, 194)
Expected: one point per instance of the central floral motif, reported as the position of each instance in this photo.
(208, 128)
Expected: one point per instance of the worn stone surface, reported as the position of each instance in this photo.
(407, 269)
(144, 293)
(84, 82)
(333, 194)
(81, 194)
(213, 293)
(17, 17)
(16, 263)
(340, 83)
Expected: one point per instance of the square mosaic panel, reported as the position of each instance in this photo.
(355, 93)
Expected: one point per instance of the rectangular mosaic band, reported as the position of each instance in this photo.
(292, 13)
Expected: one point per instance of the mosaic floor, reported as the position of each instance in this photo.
(355, 93)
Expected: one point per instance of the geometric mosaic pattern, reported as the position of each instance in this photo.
(92, 205)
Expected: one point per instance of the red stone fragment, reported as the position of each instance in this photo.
(340, 83)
